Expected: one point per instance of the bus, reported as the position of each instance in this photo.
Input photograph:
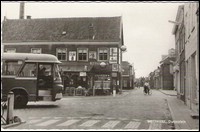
(31, 77)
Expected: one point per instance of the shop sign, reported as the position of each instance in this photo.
(113, 55)
(115, 67)
(114, 74)
(82, 74)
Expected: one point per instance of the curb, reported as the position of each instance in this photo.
(167, 94)
(172, 114)
(177, 126)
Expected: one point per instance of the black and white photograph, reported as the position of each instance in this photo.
(100, 65)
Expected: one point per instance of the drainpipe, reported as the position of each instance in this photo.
(197, 13)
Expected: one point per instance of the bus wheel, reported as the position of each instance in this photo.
(20, 100)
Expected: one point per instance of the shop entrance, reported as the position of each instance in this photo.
(102, 84)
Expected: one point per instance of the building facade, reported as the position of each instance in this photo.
(191, 25)
(89, 48)
(186, 67)
(156, 78)
(179, 64)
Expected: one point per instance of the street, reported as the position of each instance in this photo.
(131, 110)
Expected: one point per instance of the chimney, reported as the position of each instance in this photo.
(21, 10)
(28, 17)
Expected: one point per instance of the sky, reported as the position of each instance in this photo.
(147, 32)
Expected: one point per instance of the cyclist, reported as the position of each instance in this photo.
(146, 88)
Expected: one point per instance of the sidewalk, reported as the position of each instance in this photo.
(181, 113)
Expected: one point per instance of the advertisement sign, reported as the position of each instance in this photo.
(82, 74)
(92, 55)
(72, 55)
(113, 55)
(115, 67)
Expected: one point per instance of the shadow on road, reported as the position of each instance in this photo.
(39, 106)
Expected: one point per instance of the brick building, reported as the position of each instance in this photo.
(89, 47)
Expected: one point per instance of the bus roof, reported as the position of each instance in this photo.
(30, 57)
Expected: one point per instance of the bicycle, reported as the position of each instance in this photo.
(147, 93)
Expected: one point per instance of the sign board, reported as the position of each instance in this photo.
(72, 55)
(82, 74)
(113, 55)
(115, 67)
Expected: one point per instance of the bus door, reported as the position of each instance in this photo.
(45, 81)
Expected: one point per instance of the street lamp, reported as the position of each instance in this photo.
(123, 49)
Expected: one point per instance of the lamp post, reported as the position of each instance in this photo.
(122, 49)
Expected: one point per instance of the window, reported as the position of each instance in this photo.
(11, 67)
(82, 54)
(36, 50)
(61, 53)
(103, 54)
(29, 70)
(10, 50)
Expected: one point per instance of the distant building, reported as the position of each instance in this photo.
(128, 75)
(157, 82)
(166, 73)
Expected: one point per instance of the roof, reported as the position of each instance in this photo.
(62, 29)
(178, 17)
(29, 57)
